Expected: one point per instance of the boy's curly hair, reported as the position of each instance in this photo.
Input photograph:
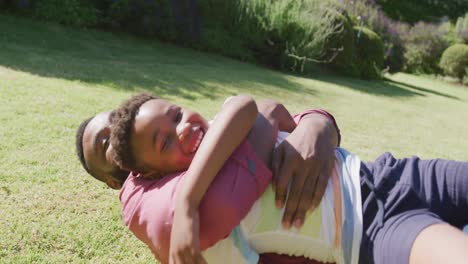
(121, 130)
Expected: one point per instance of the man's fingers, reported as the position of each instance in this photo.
(282, 181)
(299, 217)
(276, 162)
(308, 190)
(305, 197)
(294, 196)
(321, 185)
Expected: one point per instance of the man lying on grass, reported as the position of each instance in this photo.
(302, 157)
(406, 203)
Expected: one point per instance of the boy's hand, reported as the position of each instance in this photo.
(185, 243)
(305, 158)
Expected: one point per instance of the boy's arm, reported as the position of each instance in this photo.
(231, 126)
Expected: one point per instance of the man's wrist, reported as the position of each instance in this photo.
(318, 115)
(321, 122)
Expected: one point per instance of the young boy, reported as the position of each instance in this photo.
(154, 137)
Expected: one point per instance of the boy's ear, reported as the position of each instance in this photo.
(113, 183)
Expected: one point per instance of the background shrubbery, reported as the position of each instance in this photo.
(461, 29)
(454, 61)
(370, 53)
(282, 34)
(367, 13)
(424, 46)
(67, 12)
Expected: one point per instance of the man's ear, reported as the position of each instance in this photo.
(114, 184)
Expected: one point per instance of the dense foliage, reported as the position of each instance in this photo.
(461, 28)
(369, 53)
(454, 61)
(343, 48)
(368, 14)
(286, 34)
(282, 34)
(67, 12)
(413, 11)
(424, 46)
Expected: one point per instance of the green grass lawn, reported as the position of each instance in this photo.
(51, 78)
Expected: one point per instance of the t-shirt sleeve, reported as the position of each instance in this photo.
(148, 206)
(147, 210)
(298, 117)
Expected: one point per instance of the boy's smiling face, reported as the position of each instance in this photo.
(165, 136)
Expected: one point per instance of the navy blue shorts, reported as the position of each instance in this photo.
(401, 197)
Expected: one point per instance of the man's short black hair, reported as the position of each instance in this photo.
(121, 130)
(79, 144)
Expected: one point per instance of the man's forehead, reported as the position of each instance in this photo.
(96, 125)
(102, 118)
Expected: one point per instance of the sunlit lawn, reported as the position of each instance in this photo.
(51, 78)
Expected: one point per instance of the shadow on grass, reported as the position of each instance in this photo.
(384, 87)
(380, 88)
(124, 62)
(421, 89)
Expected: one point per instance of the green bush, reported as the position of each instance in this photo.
(424, 46)
(341, 47)
(461, 28)
(148, 18)
(68, 12)
(367, 13)
(282, 34)
(288, 34)
(454, 61)
(369, 53)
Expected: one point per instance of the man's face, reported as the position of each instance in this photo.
(97, 149)
(165, 136)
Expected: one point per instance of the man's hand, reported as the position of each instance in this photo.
(305, 158)
(185, 244)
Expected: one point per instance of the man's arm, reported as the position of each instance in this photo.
(306, 158)
(272, 117)
(277, 114)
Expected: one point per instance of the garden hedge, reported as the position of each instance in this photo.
(369, 53)
(454, 61)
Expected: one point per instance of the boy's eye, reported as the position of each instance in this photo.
(178, 116)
